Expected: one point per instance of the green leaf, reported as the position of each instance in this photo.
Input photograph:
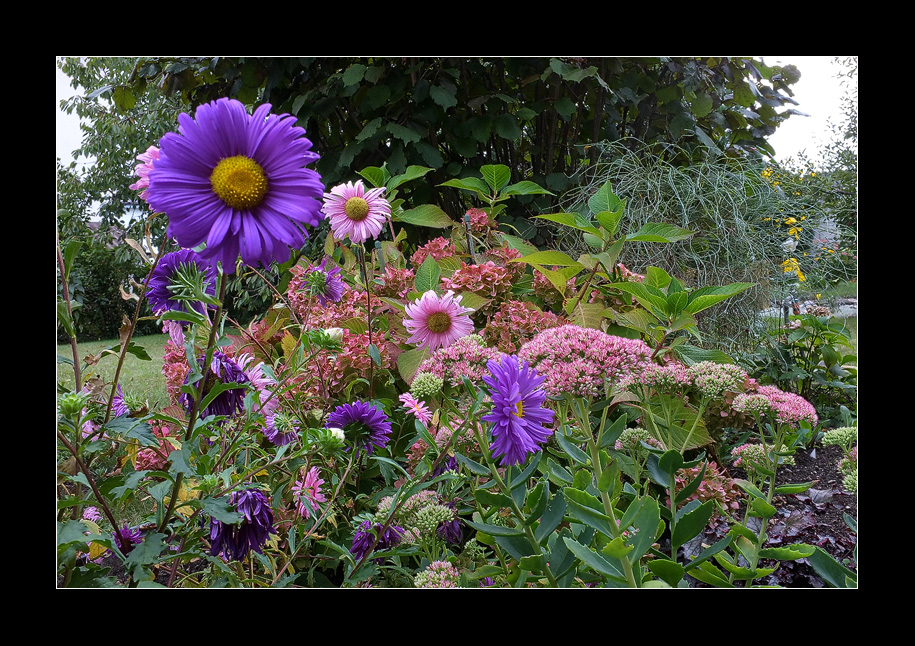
(221, 510)
(443, 96)
(474, 467)
(375, 353)
(426, 215)
(407, 135)
(490, 499)
(594, 560)
(831, 571)
(474, 184)
(412, 172)
(427, 276)
(557, 258)
(408, 361)
(710, 552)
(709, 574)
(764, 509)
(659, 232)
(584, 507)
(707, 141)
(571, 220)
(705, 297)
(788, 553)
(496, 175)
(353, 74)
(525, 187)
(605, 200)
(73, 531)
(646, 521)
(670, 572)
(691, 523)
(701, 105)
(495, 530)
(800, 487)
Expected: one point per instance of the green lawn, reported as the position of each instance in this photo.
(140, 378)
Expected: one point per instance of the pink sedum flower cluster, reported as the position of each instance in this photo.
(671, 377)
(714, 380)
(466, 357)
(439, 574)
(787, 408)
(582, 361)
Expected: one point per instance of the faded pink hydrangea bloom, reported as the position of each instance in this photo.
(545, 291)
(480, 222)
(397, 282)
(487, 279)
(516, 323)
(583, 362)
(439, 248)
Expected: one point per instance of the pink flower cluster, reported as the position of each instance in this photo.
(397, 282)
(516, 323)
(150, 459)
(788, 408)
(671, 377)
(714, 380)
(149, 159)
(487, 279)
(480, 223)
(582, 361)
(466, 357)
(439, 574)
(503, 256)
(438, 248)
(715, 485)
(175, 369)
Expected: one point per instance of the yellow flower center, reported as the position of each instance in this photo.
(438, 322)
(239, 181)
(356, 208)
(520, 412)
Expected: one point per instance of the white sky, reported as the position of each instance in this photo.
(818, 94)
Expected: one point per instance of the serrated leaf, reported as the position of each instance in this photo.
(468, 184)
(408, 362)
(705, 297)
(427, 276)
(496, 175)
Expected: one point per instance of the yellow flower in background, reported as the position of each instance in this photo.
(795, 231)
(792, 266)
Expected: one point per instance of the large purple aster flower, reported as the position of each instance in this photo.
(161, 298)
(230, 401)
(365, 424)
(364, 539)
(325, 283)
(235, 541)
(238, 183)
(518, 415)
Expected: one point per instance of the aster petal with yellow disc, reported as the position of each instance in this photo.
(238, 183)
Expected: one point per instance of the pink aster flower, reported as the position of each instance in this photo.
(148, 158)
(307, 493)
(437, 321)
(355, 212)
(417, 408)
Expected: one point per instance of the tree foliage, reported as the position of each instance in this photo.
(537, 116)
